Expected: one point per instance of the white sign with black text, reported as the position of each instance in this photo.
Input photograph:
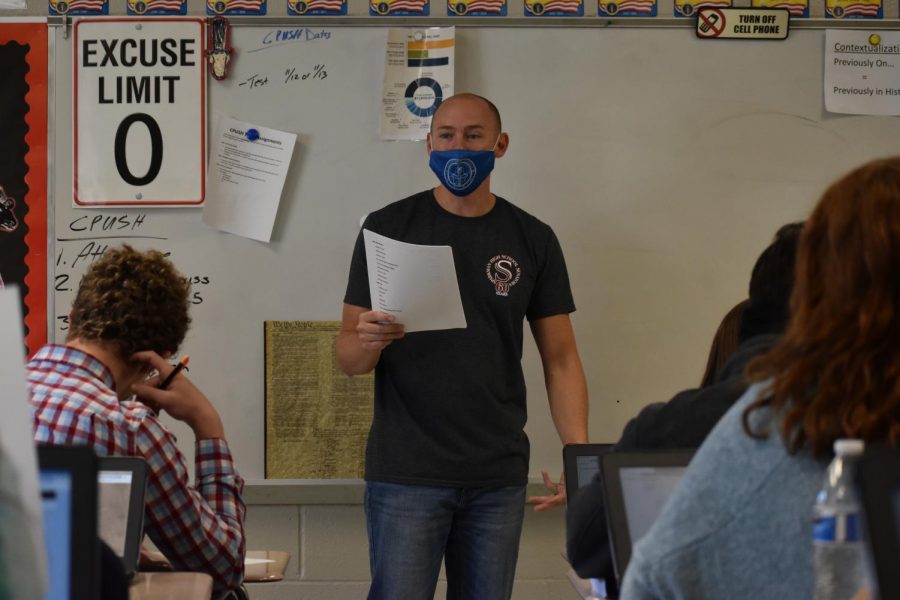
(140, 112)
(862, 72)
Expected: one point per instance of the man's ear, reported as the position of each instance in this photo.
(502, 145)
(428, 143)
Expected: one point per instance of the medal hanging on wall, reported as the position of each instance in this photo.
(219, 52)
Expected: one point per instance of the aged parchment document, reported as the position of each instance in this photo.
(317, 418)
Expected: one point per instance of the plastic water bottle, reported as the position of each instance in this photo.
(838, 554)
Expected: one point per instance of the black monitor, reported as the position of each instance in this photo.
(122, 484)
(68, 484)
(581, 462)
(879, 486)
(636, 487)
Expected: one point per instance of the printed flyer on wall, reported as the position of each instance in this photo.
(418, 75)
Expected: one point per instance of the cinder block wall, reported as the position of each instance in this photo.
(323, 527)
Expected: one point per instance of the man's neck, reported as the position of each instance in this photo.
(478, 203)
(122, 373)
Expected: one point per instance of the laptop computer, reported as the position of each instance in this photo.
(580, 463)
(68, 482)
(879, 487)
(636, 486)
(121, 488)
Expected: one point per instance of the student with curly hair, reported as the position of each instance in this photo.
(129, 315)
(739, 523)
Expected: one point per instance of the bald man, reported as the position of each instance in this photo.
(447, 455)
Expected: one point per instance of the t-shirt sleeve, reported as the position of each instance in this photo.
(358, 281)
(552, 292)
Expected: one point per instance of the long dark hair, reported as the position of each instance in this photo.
(836, 371)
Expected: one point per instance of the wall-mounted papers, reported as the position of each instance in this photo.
(247, 168)
(743, 23)
(853, 9)
(417, 284)
(554, 8)
(862, 72)
(140, 112)
(476, 8)
(383, 8)
(689, 8)
(418, 75)
(797, 8)
(626, 8)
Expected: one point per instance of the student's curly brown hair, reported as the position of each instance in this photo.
(131, 301)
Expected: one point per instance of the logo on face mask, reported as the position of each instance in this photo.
(459, 173)
(504, 272)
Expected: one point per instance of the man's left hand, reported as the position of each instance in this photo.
(557, 497)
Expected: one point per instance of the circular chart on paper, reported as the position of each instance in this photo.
(423, 96)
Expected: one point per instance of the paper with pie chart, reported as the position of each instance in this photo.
(417, 284)
(418, 76)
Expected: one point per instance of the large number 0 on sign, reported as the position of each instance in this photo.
(140, 112)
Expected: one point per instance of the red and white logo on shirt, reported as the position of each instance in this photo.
(504, 272)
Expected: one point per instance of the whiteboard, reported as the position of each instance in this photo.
(664, 164)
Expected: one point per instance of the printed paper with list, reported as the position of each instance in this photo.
(247, 168)
(417, 284)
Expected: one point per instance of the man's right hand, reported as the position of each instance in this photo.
(182, 400)
(376, 330)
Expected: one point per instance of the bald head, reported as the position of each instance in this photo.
(461, 101)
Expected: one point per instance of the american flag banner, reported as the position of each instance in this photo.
(235, 7)
(627, 8)
(317, 7)
(853, 9)
(156, 7)
(688, 8)
(476, 8)
(399, 7)
(79, 7)
(796, 8)
(554, 8)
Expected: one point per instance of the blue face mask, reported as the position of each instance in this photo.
(461, 171)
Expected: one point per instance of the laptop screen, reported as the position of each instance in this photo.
(636, 487)
(68, 482)
(114, 488)
(121, 486)
(56, 499)
(645, 491)
(581, 462)
(879, 486)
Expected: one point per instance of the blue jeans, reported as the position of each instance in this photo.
(412, 528)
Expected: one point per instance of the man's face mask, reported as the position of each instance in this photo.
(462, 171)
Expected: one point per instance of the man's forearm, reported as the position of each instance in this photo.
(352, 358)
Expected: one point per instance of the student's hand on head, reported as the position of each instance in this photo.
(556, 498)
(182, 400)
(376, 330)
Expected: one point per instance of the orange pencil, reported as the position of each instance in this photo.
(168, 380)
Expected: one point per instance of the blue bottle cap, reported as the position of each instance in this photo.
(252, 135)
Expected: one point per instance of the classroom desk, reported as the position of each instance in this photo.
(170, 586)
(259, 565)
(265, 565)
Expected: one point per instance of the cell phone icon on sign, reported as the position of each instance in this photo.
(708, 22)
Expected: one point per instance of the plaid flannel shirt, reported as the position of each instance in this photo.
(198, 528)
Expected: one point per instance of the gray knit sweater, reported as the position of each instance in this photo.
(739, 523)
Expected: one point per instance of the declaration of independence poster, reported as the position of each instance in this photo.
(317, 418)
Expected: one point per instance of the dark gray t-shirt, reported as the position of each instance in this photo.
(450, 405)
